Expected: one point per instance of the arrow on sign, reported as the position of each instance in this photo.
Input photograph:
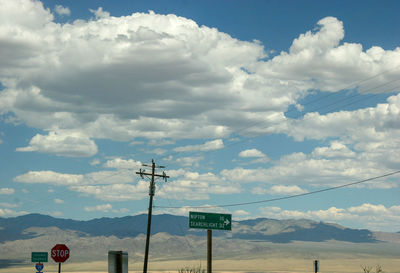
(226, 222)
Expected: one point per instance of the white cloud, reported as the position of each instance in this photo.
(115, 192)
(158, 151)
(278, 190)
(100, 13)
(11, 213)
(59, 201)
(189, 161)
(176, 80)
(61, 179)
(336, 150)
(318, 56)
(286, 190)
(50, 177)
(8, 205)
(208, 146)
(184, 211)
(101, 208)
(7, 191)
(196, 186)
(112, 186)
(374, 217)
(160, 142)
(254, 153)
(63, 144)
(60, 10)
(95, 162)
(251, 153)
(122, 210)
(240, 213)
(366, 145)
(368, 209)
(56, 213)
(119, 163)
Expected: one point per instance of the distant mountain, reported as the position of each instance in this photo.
(261, 229)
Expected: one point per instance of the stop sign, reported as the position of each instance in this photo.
(60, 253)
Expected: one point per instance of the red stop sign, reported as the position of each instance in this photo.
(60, 253)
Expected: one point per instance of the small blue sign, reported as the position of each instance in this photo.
(39, 267)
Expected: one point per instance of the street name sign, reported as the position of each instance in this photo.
(39, 257)
(205, 220)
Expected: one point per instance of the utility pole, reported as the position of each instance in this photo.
(152, 189)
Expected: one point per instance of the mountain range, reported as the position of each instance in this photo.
(249, 243)
(261, 229)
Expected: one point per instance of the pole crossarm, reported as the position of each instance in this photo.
(142, 173)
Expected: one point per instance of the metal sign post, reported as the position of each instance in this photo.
(209, 250)
(316, 266)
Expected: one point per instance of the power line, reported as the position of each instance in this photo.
(352, 85)
(349, 86)
(285, 197)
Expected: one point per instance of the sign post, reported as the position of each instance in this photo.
(210, 221)
(39, 258)
(316, 266)
(60, 253)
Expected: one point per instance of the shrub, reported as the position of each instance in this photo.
(368, 269)
(198, 269)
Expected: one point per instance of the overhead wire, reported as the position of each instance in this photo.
(346, 87)
(285, 197)
(289, 111)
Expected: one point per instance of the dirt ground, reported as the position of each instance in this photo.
(226, 266)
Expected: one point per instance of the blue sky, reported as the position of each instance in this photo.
(241, 101)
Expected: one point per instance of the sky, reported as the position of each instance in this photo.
(241, 101)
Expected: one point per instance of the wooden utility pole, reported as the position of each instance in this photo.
(152, 189)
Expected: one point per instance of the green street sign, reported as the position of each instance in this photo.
(39, 257)
(205, 220)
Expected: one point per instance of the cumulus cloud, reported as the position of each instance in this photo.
(115, 192)
(63, 144)
(59, 201)
(251, 153)
(101, 208)
(11, 213)
(60, 10)
(335, 150)
(318, 56)
(176, 79)
(196, 186)
(63, 179)
(208, 146)
(7, 191)
(120, 185)
(179, 80)
(188, 161)
(259, 156)
(119, 163)
(374, 217)
(49, 177)
(366, 145)
(279, 190)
